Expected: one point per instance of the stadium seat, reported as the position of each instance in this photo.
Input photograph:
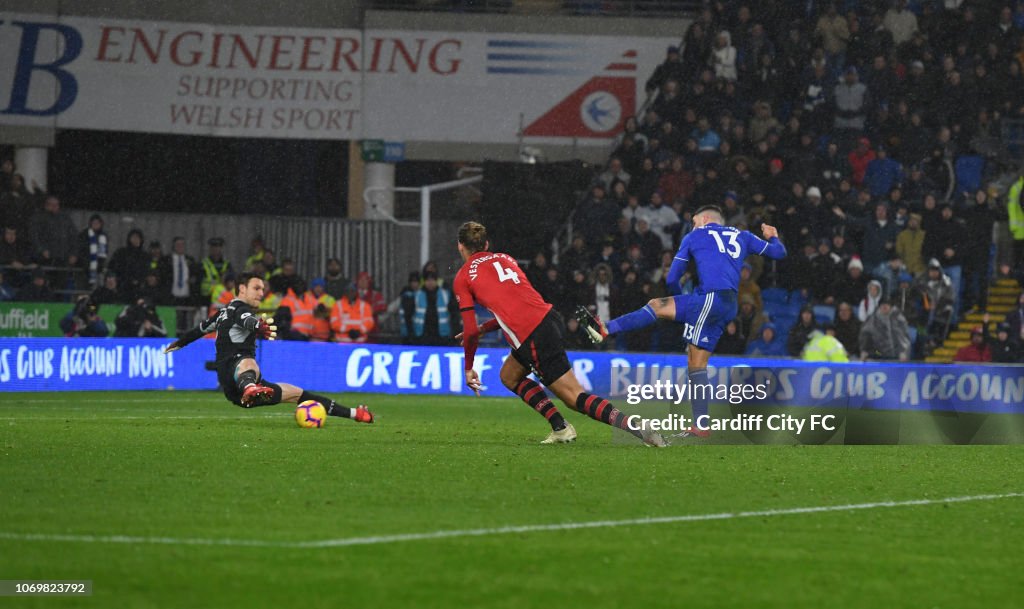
(777, 295)
(784, 323)
(775, 309)
(797, 297)
(824, 314)
(969, 169)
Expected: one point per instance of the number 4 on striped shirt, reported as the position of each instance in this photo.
(505, 274)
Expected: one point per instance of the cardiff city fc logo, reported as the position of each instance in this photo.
(596, 108)
(600, 111)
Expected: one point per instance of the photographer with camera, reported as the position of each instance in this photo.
(84, 320)
(139, 320)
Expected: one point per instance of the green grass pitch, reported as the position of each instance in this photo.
(182, 500)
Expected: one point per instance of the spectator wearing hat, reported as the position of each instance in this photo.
(1004, 349)
(670, 69)
(768, 343)
(731, 210)
(405, 306)
(215, 267)
(885, 336)
(431, 318)
(976, 350)
(817, 218)
(723, 56)
(749, 317)
(917, 186)
(852, 286)
(869, 301)
(938, 299)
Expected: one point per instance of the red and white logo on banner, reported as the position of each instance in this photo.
(597, 109)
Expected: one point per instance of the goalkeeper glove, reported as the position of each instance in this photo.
(266, 328)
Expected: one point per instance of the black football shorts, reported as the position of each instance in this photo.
(544, 350)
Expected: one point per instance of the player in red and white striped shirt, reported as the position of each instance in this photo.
(535, 331)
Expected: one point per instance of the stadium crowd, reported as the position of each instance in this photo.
(59, 263)
(869, 135)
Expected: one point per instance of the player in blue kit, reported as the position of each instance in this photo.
(718, 252)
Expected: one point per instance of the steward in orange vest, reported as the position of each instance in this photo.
(302, 303)
(352, 319)
(322, 312)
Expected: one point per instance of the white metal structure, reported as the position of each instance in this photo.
(425, 194)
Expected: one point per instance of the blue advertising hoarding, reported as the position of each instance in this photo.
(59, 364)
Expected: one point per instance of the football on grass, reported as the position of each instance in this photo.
(311, 414)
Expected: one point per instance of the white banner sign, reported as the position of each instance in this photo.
(166, 77)
(483, 87)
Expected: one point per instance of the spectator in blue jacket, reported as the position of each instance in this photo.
(707, 139)
(883, 174)
(768, 344)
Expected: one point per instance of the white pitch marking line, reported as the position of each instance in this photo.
(529, 528)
